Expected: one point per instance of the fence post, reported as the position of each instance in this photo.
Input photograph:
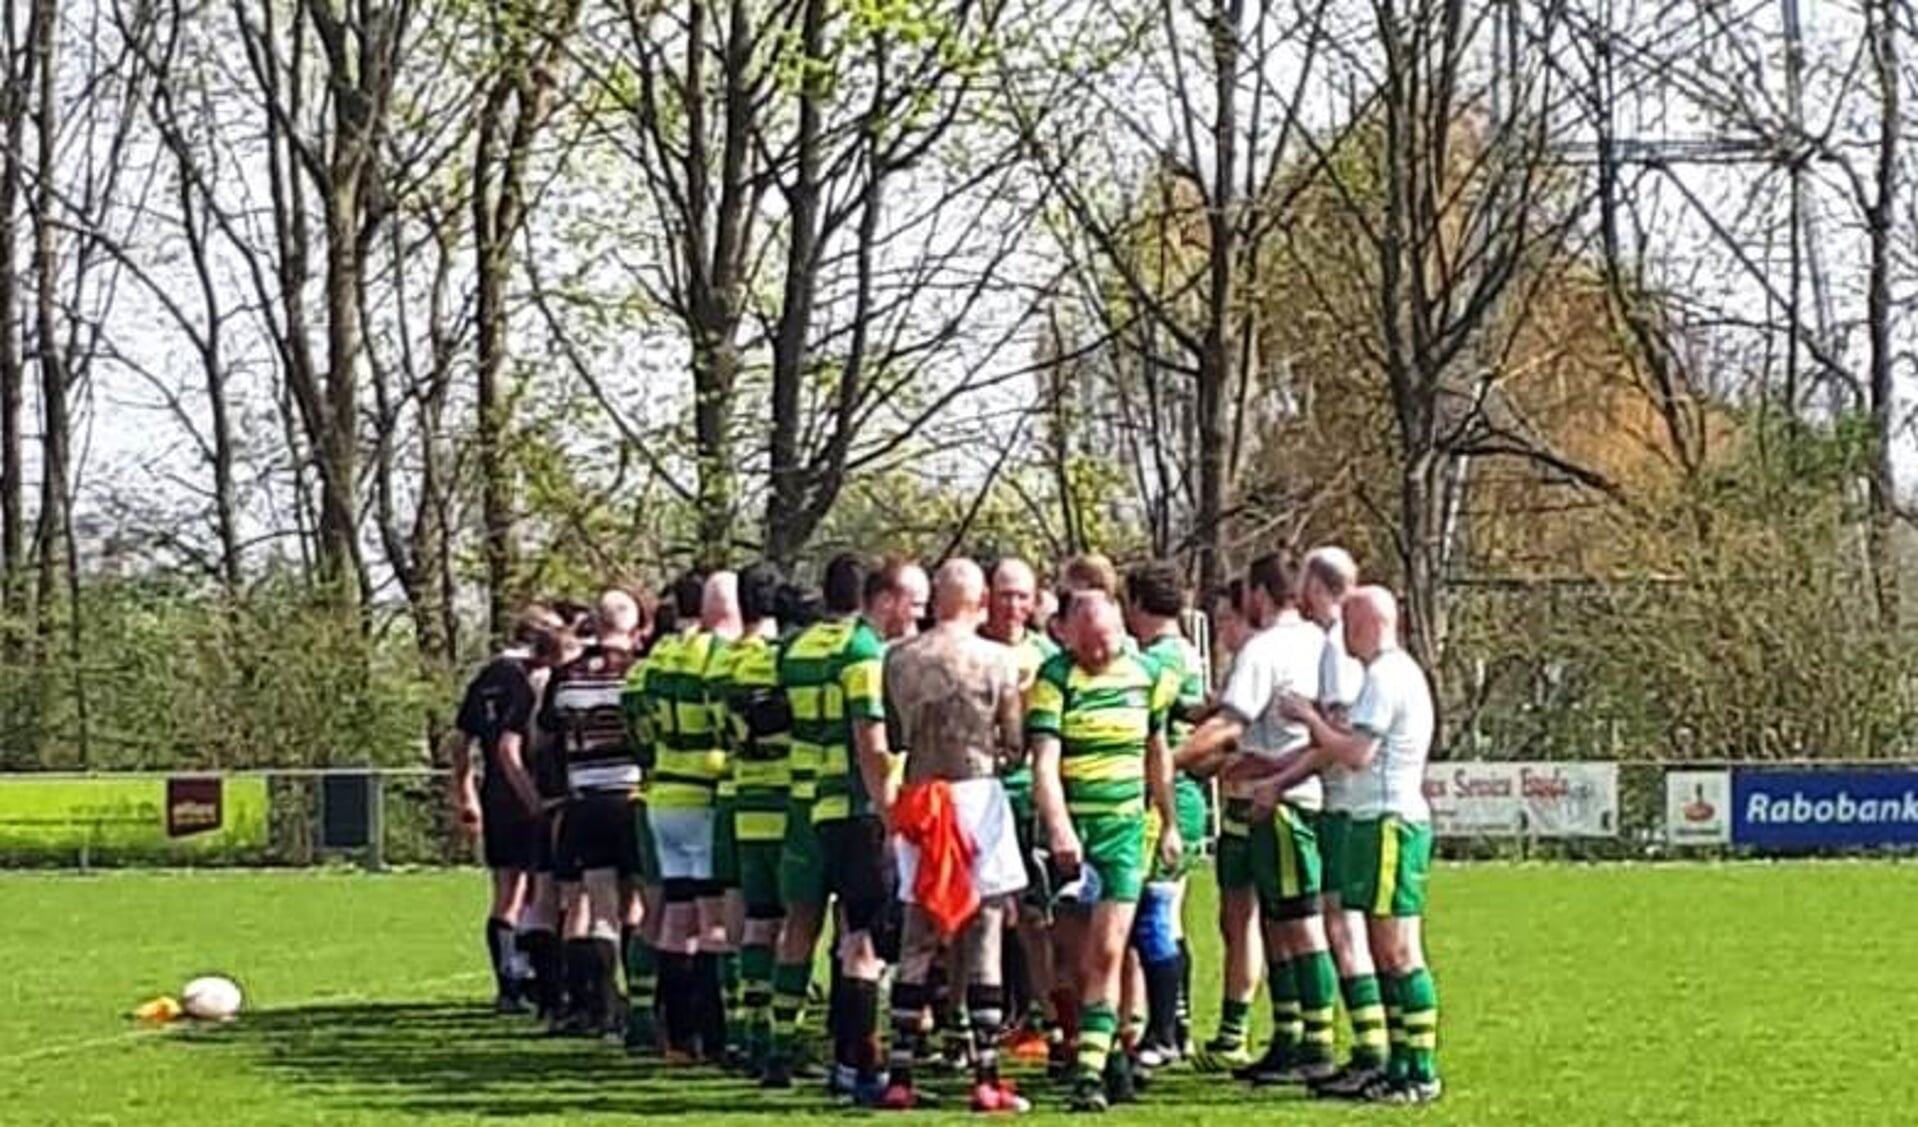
(375, 822)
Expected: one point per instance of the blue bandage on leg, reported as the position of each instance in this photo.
(1152, 929)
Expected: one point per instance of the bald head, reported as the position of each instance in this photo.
(1015, 596)
(1096, 629)
(719, 604)
(1371, 617)
(959, 592)
(618, 618)
(1330, 575)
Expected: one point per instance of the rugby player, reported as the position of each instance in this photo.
(953, 704)
(1283, 839)
(1329, 576)
(495, 795)
(585, 725)
(835, 838)
(1154, 602)
(1388, 846)
(680, 797)
(1028, 959)
(1244, 951)
(1095, 724)
(722, 916)
(651, 713)
(755, 721)
(896, 595)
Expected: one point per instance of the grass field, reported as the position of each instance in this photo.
(1599, 995)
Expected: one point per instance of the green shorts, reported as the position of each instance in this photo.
(1334, 828)
(759, 870)
(646, 865)
(802, 863)
(1386, 863)
(1285, 863)
(1234, 859)
(1188, 806)
(725, 845)
(1114, 847)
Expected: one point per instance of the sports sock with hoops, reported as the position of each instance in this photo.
(756, 971)
(986, 1010)
(642, 985)
(1098, 1025)
(908, 1001)
(1365, 1008)
(732, 986)
(1288, 1025)
(1318, 982)
(500, 946)
(790, 983)
(1399, 1063)
(1235, 1019)
(1418, 1001)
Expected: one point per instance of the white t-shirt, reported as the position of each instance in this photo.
(1395, 708)
(1282, 658)
(1341, 677)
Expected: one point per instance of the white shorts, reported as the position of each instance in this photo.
(683, 841)
(986, 818)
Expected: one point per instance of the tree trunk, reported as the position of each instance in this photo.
(14, 102)
(51, 532)
(1881, 16)
(1219, 352)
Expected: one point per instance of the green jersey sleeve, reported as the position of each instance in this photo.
(861, 675)
(1046, 702)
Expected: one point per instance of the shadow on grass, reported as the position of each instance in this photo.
(445, 1059)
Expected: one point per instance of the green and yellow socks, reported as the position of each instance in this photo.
(1411, 1016)
(1317, 981)
(1365, 1009)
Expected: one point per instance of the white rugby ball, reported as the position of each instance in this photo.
(212, 998)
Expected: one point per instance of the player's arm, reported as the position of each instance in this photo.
(862, 684)
(1158, 765)
(1044, 726)
(1352, 742)
(516, 730)
(1009, 720)
(457, 748)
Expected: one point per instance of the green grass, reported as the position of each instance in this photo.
(1601, 995)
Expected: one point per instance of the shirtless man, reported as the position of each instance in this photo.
(953, 704)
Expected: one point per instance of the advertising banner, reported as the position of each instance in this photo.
(1474, 799)
(145, 817)
(1805, 811)
(1698, 807)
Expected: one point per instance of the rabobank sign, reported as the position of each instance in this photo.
(1800, 811)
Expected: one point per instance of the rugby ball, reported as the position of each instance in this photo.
(212, 998)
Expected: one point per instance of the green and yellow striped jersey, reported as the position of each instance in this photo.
(688, 762)
(1173, 653)
(756, 726)
(832, 674)
(1102, 721)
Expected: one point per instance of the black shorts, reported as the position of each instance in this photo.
(596, 831)
(509, 836)
(859, 869)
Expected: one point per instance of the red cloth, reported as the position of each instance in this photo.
(926, 817)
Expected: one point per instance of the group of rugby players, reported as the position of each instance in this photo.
(993, 802)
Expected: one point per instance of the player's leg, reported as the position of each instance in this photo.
(1192, 811)
(1346, 930)
(724, 925)
(575, 920)
(1243, 951)
(509, 844)
(642, 942)
(675, 837)
(1155, 943)
(802, 890)
(1115, 850)
(860, 869)
(1395, 878)
(1303, 980)
(712, 942)
(759, 889)
(919, 950)
(982, 942)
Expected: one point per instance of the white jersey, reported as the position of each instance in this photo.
(1341, 677)
(1394, 708)
(1283, 658)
